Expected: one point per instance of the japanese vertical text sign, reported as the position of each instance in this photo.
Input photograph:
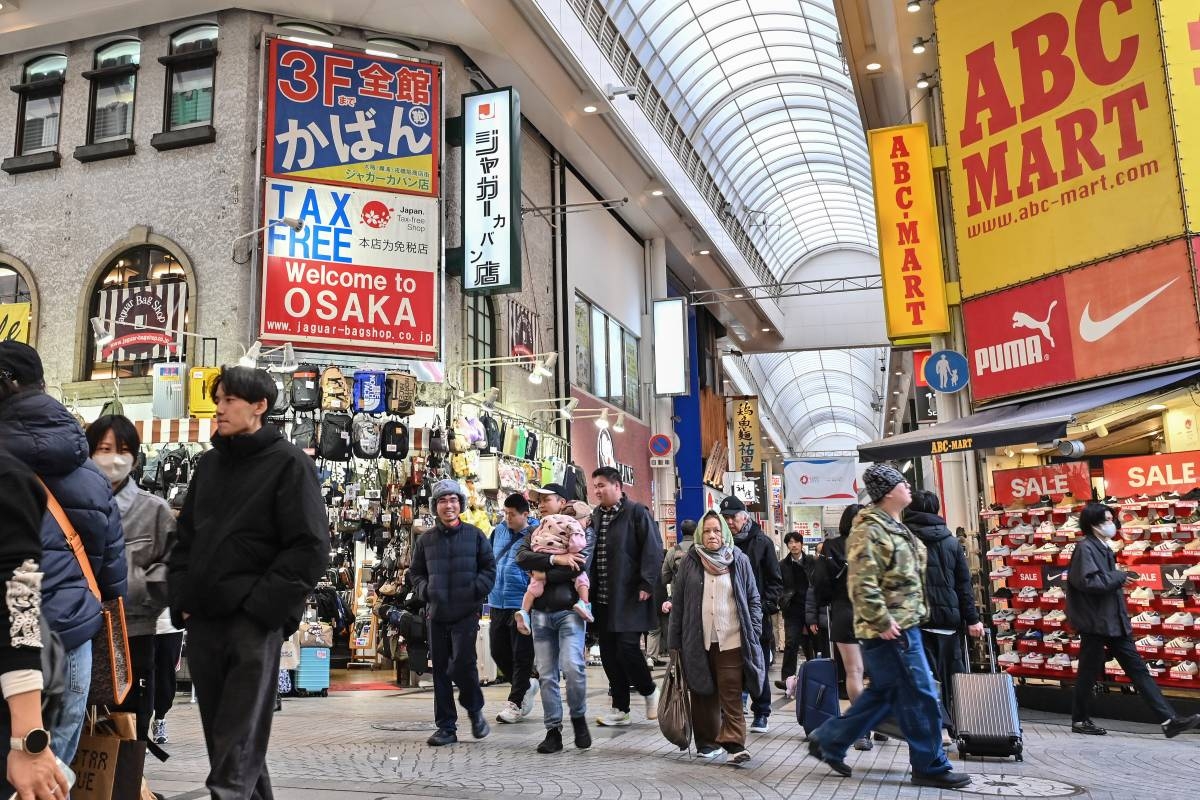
(910, 251)
(361, 276)
(745, 434)
(491, 191)
(1058, 134)
(350, 119)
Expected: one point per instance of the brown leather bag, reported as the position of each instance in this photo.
(112, 668)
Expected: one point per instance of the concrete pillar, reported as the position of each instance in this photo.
(661, 410)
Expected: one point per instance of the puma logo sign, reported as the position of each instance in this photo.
(1022, 320)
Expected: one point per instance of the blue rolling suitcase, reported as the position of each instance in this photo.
(817, 693)
(312, 676)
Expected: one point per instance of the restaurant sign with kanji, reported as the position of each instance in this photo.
(351, 119)
(491, 191)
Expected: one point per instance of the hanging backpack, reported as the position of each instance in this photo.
(306, 388)
(366, 439)
(335, 390)
(369, 392)
(283, 400)
(334, 442)
(395, 440)
(401, 393)
(304, 435)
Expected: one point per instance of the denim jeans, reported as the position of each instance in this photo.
(902, 684)
(66, 730)
(558, 644)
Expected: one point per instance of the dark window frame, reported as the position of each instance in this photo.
(481, 315)
(201, 56)
(46, 86)
(102, 74)
(627, 402)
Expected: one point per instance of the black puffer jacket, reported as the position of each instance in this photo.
(757, 547)
(253, 536)
(1095, 602)
(948, 594)
(452, 571)
(38, 431)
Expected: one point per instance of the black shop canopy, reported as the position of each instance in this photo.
(1041, 420)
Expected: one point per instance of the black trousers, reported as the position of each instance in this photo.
(944, 653)
(154, 684)
(1091, 666)
(624, 664)
(795, 640)
(512, 651)
(167, 647)
(235, 668)
(760, 701)
(452, 650)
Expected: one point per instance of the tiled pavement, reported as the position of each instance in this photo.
(370, 746)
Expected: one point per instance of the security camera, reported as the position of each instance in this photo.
(628, 91)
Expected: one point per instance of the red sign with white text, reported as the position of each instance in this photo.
(1150, 576)
(1026, 575)
(1017, 486)
(919, 359)
(1152, 475)
(1084, 324)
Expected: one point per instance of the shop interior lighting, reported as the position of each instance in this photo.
(252, 355)
(545, 361)
(487, 398)
(913, 6)
(104, 330)
(567, 412)
(924, 81)
(921, 44)
(100, 332)
(1156, 407)
(619, 425)
(590, 108)
(874, 66)
(1030, 451)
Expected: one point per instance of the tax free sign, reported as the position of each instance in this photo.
(360, 276)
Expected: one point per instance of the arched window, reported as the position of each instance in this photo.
(114, 81)
(16, 305)
(191, 67)
(480, 319)
(140, 303)
(40, 104)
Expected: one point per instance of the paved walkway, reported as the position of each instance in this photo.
(371, 746)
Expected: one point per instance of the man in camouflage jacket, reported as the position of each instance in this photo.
(886, 565)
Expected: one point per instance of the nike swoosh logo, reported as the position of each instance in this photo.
(1091, 330)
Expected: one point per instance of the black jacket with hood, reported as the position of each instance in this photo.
(253, 536)
(757, 547)
(948, 594)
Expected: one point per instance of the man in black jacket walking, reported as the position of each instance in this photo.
(948, 595)
(793, 602)
(453, 570)
(253, 540)
(757, 547)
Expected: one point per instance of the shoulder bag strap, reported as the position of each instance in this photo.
(73, 540)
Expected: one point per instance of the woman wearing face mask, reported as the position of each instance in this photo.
(716, 620)
(149, 533)
(1096, 609)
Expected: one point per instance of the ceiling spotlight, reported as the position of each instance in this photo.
(895, 408)
(920, 45)
(602, 420)
(924, 81)
(766, 330)
(1156, 407)
(874, 66)
(896, 392)
(1030, 450)
(619, 425)
(250, 357)
(590, 109)
(656, 192)
(738, 296)
(568, 410)
(913, 6)
(542, 370)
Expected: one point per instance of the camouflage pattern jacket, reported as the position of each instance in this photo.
(886, 574)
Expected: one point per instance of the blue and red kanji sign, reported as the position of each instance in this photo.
(350, 119)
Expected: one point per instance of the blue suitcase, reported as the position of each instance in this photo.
(312, 676)
(817, 693)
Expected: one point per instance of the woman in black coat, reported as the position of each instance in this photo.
(1096, 609)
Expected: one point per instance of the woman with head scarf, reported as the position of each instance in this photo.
(716, 619)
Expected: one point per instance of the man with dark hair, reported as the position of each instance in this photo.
(759, 548)
(793, 602)
(511, 650)
(253, 540)
(628, 555)
(452, 571)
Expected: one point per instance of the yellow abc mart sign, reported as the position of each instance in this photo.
(1058, 132)
(1181, 40)
(910, 253)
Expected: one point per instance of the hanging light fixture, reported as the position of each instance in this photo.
(100, 332)
(543, 369)
(250, 357)
(602, 420)
(619, 426)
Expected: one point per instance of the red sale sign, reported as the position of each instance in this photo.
(1149, 576)
(1026, 575)
(1168, 472)
(1028, 484)
(359, 276)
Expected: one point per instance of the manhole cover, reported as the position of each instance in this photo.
(1019, 786)
(401, 727)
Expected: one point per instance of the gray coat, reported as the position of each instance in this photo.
(686, 629)
(1095, 602)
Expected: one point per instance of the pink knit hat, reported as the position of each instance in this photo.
(561, 524)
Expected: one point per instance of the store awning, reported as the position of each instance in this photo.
(1035, 421)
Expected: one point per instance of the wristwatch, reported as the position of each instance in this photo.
(34, 742)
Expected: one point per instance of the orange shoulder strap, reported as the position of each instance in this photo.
(73, 540)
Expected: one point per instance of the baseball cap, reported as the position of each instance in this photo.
(551, 488)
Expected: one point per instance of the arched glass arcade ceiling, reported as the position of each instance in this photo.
(762, 91)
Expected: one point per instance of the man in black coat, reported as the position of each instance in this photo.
(1096, 609)
(948, 595)
(793, 601)
(757, 547)
(253, 540)
(625, 567)
(453, 570)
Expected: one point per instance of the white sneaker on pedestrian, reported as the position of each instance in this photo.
(159, 732)
(530, 695)
(652, 704)
(511, 714)
(615, 719)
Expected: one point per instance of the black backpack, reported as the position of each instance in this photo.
(395, 440)
(306, 388)
(283, 399)
(334, 443)
(304, 435)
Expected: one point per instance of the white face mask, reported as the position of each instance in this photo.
(1108, 529)
(115, 466)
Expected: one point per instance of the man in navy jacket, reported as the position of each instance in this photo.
(453, 571)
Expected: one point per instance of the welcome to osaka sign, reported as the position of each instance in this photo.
(351, 119)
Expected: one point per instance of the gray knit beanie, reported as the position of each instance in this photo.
(881, 479)
(449, 486)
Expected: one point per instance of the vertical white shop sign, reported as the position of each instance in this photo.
(491, 192)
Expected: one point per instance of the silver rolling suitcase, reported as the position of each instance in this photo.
(985, 712)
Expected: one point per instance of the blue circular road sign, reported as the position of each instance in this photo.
(947, 371)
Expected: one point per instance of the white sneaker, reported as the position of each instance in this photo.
(652, 704)
(159, 732)
(530, 696)
(511, 714)
(614, 719)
